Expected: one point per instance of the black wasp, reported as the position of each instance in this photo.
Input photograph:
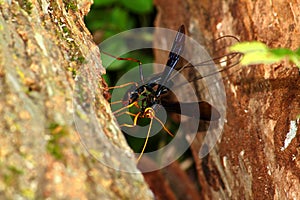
(151, 95)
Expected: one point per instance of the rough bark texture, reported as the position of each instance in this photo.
(43, 45)
(250, 161)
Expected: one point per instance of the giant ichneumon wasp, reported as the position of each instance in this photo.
(149, 97)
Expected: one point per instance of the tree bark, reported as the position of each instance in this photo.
(253, 159)
(45, 51)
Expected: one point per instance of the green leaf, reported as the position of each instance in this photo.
(246, 47)
(286, 53)
(259, 58)
(282, 52)
(258, 53)
(138, 6)
(295, 59)
(298, 51)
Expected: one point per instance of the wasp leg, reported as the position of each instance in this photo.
(146, 141)
(149, 113)
(116, 102)
(162, 124)
(129, 59)
(128, 106)
(125, 112)
(136, 116)
(123, 85)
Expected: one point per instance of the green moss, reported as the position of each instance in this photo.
(66, 30)
(53, 146)
(10, 177)
(27, 6)
(65, 34)
(28, 193)
(78, 59)
(20, 73)
(73, 71)
(70, 5)
(15, 170)
(82, 116)
(96, 154)
(81, 59)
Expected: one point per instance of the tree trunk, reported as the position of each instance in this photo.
(253, 159)
(50, 84)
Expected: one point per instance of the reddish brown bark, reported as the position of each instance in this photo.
(262, 101)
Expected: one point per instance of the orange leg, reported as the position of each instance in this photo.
(125, 112)
(145, 144)
(123, 85)
(115, 102)
(136, 116)
(162, 124)
(128, 106)
(149, 113)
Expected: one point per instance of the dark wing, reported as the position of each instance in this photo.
(207, 111)
(174, 56)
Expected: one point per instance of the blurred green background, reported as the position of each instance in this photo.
(110, 17)
(113, 16)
